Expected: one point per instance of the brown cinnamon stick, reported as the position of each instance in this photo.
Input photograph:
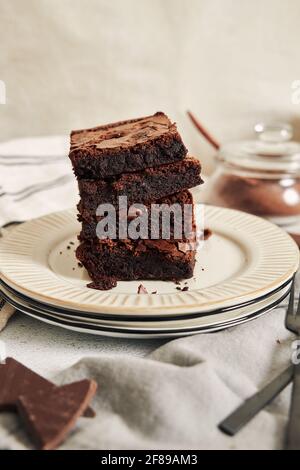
(203, 131)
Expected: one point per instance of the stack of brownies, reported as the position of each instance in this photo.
(146, 161)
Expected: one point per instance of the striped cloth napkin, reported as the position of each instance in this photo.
(35, 179)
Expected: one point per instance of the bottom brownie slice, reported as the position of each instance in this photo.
(124, 260)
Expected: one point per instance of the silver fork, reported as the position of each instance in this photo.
(292, 323)
(250, 407)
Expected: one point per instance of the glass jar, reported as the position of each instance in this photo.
(259, 176)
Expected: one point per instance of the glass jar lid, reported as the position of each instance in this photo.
(271, 151)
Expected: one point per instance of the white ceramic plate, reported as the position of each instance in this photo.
(200, 320)
(154, 329)
(245, 258)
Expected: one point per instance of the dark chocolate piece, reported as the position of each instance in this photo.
(50, 415)
(144, 187)
(125, 146)
(16, 379)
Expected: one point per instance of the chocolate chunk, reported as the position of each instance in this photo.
(50, 415)
(16, 379)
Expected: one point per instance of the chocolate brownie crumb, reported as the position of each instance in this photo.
(103, 284)
(207, 233)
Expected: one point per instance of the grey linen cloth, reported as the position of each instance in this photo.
(175, 397)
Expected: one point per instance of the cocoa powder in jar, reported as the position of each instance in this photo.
(267, 197)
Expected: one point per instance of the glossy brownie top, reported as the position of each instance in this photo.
(123, 134)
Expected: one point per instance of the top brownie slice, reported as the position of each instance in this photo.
(125, 146)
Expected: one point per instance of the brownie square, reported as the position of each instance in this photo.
(125, 146)
(183, 199)
(109, 261)
(143, 187)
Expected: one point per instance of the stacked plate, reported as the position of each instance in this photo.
(242, 271)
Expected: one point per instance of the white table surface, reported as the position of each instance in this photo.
(50, 349)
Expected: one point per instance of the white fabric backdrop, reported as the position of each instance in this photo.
(76, 63)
